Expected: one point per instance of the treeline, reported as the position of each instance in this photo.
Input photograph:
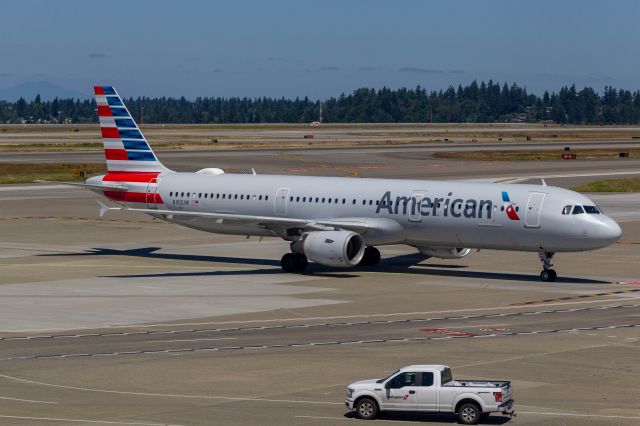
(475, 103)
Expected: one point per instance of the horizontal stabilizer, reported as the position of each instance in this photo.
(105, 187)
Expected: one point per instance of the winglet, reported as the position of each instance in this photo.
(253, 171)
(543, 181)
(104, 208)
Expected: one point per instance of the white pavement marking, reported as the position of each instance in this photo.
(191, 340)
(164, 395)
(493, 308)
(28, 400)
(104, 422)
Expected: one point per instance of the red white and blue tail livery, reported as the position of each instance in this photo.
(130, 159)
(337, 221)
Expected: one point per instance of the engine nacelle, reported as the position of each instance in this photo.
(334, 248)
(444, 252)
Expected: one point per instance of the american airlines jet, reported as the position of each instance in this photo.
(338, 222)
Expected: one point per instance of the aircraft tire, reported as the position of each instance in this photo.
(548, 275)
(301, 262)
(371, 256)
(289, 262)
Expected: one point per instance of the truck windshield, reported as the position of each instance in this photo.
(445, 376)
(386, 377)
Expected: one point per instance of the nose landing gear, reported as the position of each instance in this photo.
(547, 274)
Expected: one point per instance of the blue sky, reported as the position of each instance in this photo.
(317, 48)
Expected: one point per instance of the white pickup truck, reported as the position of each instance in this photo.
(430, 388)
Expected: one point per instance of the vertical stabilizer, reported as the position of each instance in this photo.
(125, 148)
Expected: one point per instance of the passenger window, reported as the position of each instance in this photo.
(427, 379)
(291, 199)
(402, 380)
(578, 210)
(566, 209)
(188, 193)
(205, 195)
(266, 197)
(200, 195)
(235, 197)
(370, 202)
(259, 197)
(344, 201)
(354, 201)
(297, 199)
(364, 202)
(170, 194)
(329, 200)
(182, 194)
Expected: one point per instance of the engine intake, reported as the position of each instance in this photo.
(343, 249)
(444, 252)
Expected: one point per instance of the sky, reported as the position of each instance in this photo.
(317, 48)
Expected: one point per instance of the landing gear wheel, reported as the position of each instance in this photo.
(469, 414)
(288, 262)
(366, 409)
(371, 256)
(294, 262)
(548, 275)
(301, 262)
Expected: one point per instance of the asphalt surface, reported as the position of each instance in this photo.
(127, 320)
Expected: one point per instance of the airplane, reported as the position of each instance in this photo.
(338, 221)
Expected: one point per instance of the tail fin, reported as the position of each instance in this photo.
(125, 148)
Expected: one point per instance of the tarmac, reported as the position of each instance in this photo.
(130, 321)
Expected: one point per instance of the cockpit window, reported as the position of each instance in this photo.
(567, 209)
(591, 209)
(578, 210)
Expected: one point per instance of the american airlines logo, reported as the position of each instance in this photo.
(444, 206)
(509, 206)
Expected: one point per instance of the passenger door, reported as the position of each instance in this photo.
(282, 196)
(427, 394)
(401, 392)
(534, 207)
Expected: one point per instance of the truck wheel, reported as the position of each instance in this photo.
(469, 414)
(366, 409)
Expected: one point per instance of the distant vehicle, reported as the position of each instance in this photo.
(314, 124)
(339, 221)
(430, 388)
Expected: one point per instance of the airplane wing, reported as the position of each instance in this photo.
(355, 225)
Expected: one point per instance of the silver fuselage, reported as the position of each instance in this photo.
(413, 212)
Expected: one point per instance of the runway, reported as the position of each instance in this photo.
(126, 320)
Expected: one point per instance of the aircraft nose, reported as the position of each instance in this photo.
(609, 231)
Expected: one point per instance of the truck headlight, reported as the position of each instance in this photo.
(349, 392)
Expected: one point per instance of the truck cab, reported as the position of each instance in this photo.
(429, 388)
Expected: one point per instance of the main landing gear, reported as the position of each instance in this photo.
(294, 262)
(547, 273)
(371, 257)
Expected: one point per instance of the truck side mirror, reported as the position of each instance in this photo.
(387, 385)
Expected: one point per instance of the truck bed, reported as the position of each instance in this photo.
(478, 383)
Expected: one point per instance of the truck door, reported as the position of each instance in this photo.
(427, 393)
(401, 392)
(534, 206)
(281, 201)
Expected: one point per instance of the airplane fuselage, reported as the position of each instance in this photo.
(413, 212)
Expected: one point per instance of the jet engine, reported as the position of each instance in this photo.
(341, 249)
(444, 252)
